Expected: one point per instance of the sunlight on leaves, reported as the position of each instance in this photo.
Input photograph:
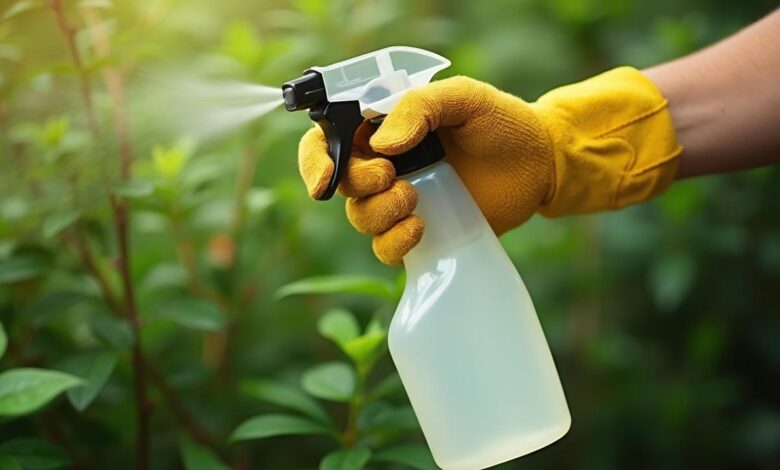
(284, 395)
(169, 161)
(191, 312)
(330, 381)
(347, 284)
(271, 425)
(339, 326)
(363, 349)
(25, 390)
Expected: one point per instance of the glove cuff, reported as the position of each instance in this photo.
(614, 143)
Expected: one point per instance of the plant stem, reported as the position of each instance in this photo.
(142, 404)
(350, 434)
(88, 260)
(120, 212)
(184, 417)
(69, 35)
(182, 414)
(244, 177)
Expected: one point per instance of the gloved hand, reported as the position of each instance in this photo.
(600, 144)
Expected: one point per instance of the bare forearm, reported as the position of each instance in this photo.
(725, 101)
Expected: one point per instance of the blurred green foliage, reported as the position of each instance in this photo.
(663, 318)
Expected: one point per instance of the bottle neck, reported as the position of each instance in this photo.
(451, 216)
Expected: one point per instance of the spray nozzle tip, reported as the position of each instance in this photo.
(304, 92)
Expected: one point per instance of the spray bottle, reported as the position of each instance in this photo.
(465, 337)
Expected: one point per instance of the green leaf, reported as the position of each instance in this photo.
(20, 7)
(169, 161)
(25, 390)
(23, 266)
(330, 381)
(113, 332)
(314, 8)
(355, 458)
(364, 349)
(416, 456)
(380, 416)
(284, 395)
(339, 326)
(35, 454)
(390, 385)
(164, 276)
(54, 130)
(95, 369)
(134, 188)
(271, 425)
(376, 325)
(57, 222)
(9, 463)
(49, 305)
(351, 284)
(257, 199)
(3, 340)
(196, 457)
(194, 313)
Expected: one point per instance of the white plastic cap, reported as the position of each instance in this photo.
(377, 80)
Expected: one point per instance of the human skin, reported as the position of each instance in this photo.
(725, 101)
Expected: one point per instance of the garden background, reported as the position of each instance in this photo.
(175, 301)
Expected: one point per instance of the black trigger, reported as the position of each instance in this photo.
(339, 121)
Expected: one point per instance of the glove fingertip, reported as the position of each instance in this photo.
(391, 246)
(314, 164)
(316, 172)
(399, 133)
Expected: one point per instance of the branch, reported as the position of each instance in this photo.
(244, 177)
(115, 85)
(88, 260)
(182, 414)
(142, 405)
(350, 434)
(69, 35)
(119, 207)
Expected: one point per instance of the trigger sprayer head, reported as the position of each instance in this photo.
(340, 96)
(304, 92)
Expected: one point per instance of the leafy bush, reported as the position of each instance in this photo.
(172, 300)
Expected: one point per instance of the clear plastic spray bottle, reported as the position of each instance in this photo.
(465, 337)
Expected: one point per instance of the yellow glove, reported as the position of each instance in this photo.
(600, 144)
